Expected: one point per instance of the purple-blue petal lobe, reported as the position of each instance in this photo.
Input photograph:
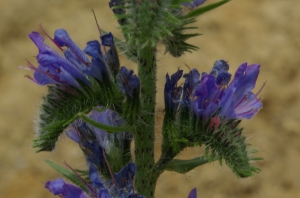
(172, 92)
(62, 38)
(107, 39)
(61, 188)
(194, 3)
(39, 41)
(97, 68)
(193, 193)
(127, 81)
(191, 81)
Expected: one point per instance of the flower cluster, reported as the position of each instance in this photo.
(213, 93)
(97, 146)
(119, 186)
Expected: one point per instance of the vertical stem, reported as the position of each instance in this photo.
(145, 179)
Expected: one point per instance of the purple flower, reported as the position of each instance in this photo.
(120, 185)
(61, 188)
(191, 81)
(127, 81)
(213, 93)
(111, 56)
(172, 92)
(194, 4)
(75, 67)
(235, 101)
(96, 142)
(53, 69)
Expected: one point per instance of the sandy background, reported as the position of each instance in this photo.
(265, 32)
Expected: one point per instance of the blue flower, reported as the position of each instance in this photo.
(127, 81)
(119, 186)
(213, 93)
(111, 56)
(53, 69)
(191, 81)
(194, 4)
(172, 92)
(235, 101)
(61, 188)
(96, 142)
(75, 67)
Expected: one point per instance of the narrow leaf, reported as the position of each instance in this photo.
(204, 9)
(184, 166)
(68, 174)
(107, 128)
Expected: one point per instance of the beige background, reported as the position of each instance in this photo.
(256, 31)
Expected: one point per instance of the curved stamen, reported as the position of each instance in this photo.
(41, 27)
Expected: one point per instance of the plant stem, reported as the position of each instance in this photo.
(145, 179)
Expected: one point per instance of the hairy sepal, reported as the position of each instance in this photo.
(63, 104)
(227, 143)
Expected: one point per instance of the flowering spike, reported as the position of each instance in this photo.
(209, 114)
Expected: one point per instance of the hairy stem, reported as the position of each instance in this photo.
(146, 178)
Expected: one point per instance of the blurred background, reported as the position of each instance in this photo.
(265, 32)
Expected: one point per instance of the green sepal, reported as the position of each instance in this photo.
(107, 128)
(63, 104)
(125, 50)
(203, 9)
(226, 143)
(68, 174)
(131, 107)
(184, 166)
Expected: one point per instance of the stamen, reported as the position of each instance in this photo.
(41, 27)
(110, 171)
(78, 176)
(98, 28)
(240, 101)
(77, 55)
(261, 88)
(31, 66)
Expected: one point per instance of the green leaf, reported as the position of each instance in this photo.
(68, 174)
(107, 128)
(184, 166)
(204, 9)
